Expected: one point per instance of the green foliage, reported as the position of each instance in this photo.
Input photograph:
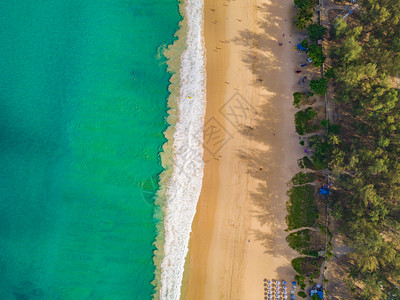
(305, 14)
(302, 294)
(323, 148)
(298, 98)
(364, 154)
(319, 86)
(324, 123)
(302, 120)
(307, 266)
(304, 43)
(330, 73)
(301, 3)
(350, 50)
(305, 163)
(303, 178)
(301, 208)
(303, 17)
(315, 31)
(301, 281)
(297, 264)
(334, 128)
(316, 54)
(300, 241)
(314, 297)
(339, 28)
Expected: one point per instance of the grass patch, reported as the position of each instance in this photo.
(301, 208)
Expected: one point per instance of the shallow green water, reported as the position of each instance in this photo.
(82, 106)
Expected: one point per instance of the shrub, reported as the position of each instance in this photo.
(303, 178)
(303, 17)
(319, 86)
(298, 98)
(301, 281)
(305, 163)
(297, 264)
(315, 31)
(302, 119)
(322, 151)
(302, 294)
(304, 43)
(301, 208)
(316, 54)
(330, 73)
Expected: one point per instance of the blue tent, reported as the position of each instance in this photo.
(301, 48)
(320, 295)
(324, 192)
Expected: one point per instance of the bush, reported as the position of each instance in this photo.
(330, 73)
(305, 163)
(315, 31)
(302, 119)
(316, 54)
(303, 178)
(322, 151)
(319, 86)
(298, 98)
(302, 294)
(304, 43)
(334, 128)
(303, 17)
(301, 281)
(301, 208)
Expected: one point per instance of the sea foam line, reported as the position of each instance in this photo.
(184, 186)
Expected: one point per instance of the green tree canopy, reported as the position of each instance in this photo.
(316, 54)
(315, 31)
(319, 86)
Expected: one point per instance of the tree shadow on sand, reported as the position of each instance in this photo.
(261, 56)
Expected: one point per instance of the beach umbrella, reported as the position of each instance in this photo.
(284, 282)
(269, 281)
(278, 282)
(265, 279)
(265, 289)
(284, 287)
(294, 283)
(292, 292)
(284, 292)
(265, 284)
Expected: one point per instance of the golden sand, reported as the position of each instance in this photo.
(251, 149)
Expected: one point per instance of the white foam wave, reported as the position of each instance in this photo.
(184, 187)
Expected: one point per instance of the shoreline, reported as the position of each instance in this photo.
(238, 236)
(180, 182)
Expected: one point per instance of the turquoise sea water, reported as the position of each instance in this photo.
(82, 110)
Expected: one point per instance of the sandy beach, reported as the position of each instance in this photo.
(251, 149)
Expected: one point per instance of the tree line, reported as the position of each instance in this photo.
(363, 154)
